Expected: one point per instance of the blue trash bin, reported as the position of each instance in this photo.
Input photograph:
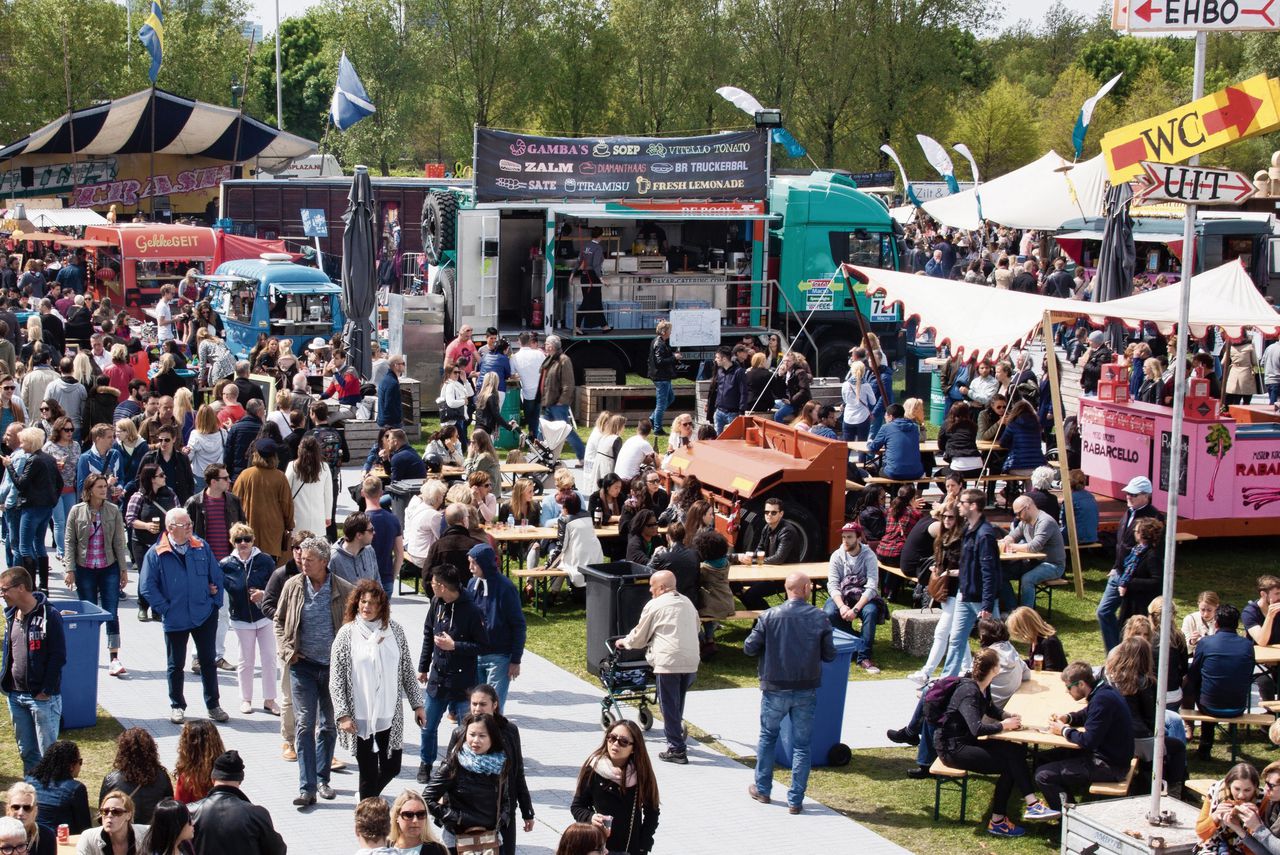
(825, 748)
(82, 622)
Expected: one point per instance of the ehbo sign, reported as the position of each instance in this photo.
(1163, 182)
(1243, 110)
(1173, 15)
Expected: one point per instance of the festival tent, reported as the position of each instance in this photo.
(181, 127)
(1035, 196)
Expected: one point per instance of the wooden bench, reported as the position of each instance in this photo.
(633, 402)
(740, 614)
(1232, 725)
(1115, 789)
(945, 776)
(540, 578)
(1047, 586)
(1199, 786)
(894, 571)
(1271, 707)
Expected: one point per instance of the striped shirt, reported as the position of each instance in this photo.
(215, 532)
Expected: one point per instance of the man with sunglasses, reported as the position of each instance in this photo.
(35, 652)
(780, 542)
(1102, 732)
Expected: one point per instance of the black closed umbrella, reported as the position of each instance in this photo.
(359, 278)
(1117, 257)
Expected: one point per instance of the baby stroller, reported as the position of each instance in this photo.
(626, 677)
(544, 451)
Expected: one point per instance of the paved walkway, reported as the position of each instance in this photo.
(704, 805)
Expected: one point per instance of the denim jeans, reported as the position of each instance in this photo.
(175, 644)
(784, 414)
(672, 690)
(60, 511)
(1109, 613)
(32, 525)
(961, 626)
(941, 636)
(856, 433)
(314, 733)
(560, 413)
(864, 640)
(1042, 572)
(663, 396)
(35, 725)
(800, 704)
(529, 409)
(102, 588)
(10, 519)
(492, 669)
(436, 708)
(1273, 393)
(722, 419)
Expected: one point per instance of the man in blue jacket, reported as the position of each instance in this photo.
(979, 582)
(1103, 732)
(792, 641)
(35, 650)
(730, 390)
(390, 404)
(499, 602)
(900, 439)
(183, 582)
(453, 635)
(1220, 679)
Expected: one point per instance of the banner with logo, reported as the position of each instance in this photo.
(729, 165)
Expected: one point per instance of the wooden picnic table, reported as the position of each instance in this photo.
(927, 446)
(523, 469)
(1266, 654)
(1036, 700)
(815, 570)
(1022, 556)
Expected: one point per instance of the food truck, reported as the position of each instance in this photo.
(275, 297)
(143, 257)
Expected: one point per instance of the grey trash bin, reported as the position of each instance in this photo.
(616, 593)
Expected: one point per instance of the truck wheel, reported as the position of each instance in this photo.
(446, 282)
(439, 218)
(597, 354)
(833, 358)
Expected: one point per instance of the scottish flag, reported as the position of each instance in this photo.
(152, 37)
(350, 102)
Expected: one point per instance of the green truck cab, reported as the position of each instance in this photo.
(820, 221)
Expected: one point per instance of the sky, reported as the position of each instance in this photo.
(1014, 10)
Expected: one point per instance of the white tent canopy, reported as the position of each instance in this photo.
(1035, 196)
(984, 321)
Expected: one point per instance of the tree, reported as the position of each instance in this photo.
(1059, 111)
(307, 75)
(204, 48)
(579, 48)
(1124, 54)
(999, 128)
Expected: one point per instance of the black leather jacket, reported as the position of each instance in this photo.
(227, 823)
(145, 798)
(470, 799)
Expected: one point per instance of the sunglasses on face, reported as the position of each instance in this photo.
(244, 540)
(21, 808)
(413, 814)
(621, 741)
(112, 811)
(10, 388)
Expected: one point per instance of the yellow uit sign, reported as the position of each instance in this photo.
(1238, 111)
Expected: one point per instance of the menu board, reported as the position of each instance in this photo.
(510, 166)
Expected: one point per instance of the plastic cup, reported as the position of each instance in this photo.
(760, 557)
(608, 825)
(1037, 662)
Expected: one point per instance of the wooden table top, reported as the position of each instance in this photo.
(1037, 699)
(815, 570)
(523, 469)
(1266, 654)
(927, 446)
(1023, 556)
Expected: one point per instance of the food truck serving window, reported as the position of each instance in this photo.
(240, 298)
(299, 302)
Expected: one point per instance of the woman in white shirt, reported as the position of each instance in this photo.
(422, 523)
(311, 486)
(280, 415)
(206, 445)
(859, 399)
(593, 441)
(444, 442)
(455, 398)
(606, 459)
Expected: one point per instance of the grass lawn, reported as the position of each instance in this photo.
(97, 749)
(873, 789)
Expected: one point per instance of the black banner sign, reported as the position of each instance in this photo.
(718, 166)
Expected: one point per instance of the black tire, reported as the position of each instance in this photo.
(833, 357)
(813, 542)
(646, 718)
(446, 281)
(439, 221)
(597, 354)
(839, 755)
(607, 718)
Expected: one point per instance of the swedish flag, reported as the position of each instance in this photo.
(152, 37)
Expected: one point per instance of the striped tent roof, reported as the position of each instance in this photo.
(182, 127)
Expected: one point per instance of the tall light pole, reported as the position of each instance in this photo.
(279, 109)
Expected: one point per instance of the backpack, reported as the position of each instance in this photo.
(937, 697)
(330, 447)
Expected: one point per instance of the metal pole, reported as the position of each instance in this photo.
(1175, 462)
(279, 110)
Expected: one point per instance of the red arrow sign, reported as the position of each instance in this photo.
(1263, 13)
(1162, 182)
(1145, 12)
(1239, 113)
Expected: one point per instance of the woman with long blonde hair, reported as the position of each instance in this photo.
(35, 338)
(520, 505)
(1026, 626)
(184, 412)
(410, 830)
(488, 405)
(606, 460)
(593, 440)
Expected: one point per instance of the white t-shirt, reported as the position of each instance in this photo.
(164, 321)
(527, 362)
(631, 456)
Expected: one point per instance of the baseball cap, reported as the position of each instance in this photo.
(1138, 484)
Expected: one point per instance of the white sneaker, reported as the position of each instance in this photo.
(117, 668)
(918, 677)
(246, 707)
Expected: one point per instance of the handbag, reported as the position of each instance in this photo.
(478, 843)
(937, 587)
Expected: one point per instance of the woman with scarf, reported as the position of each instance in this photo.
(469, 791)
(245, 573)
(372, 673)
(617, 790)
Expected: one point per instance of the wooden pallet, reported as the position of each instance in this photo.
(362, 434)
(633, 402)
